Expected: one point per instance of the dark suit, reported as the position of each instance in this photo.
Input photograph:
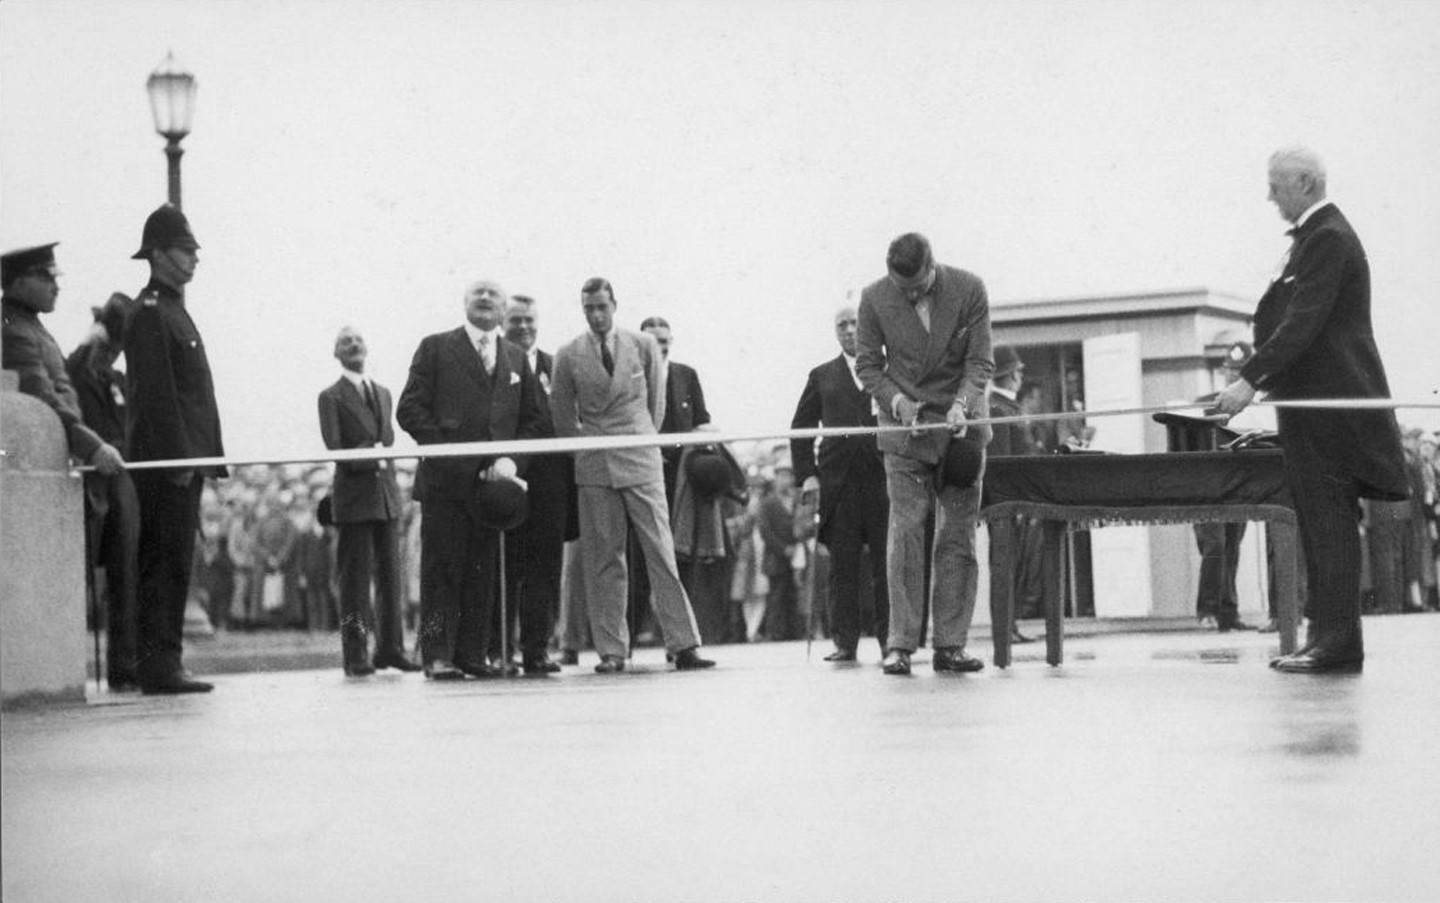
(535, 550)
(172, 415)
(365, 508)
(1313, 339)
(933, 367)
(853, 505)
(449, 398)
(684, 411)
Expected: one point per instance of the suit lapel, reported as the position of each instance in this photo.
(944, 315)
(468, 358)
(350, 396)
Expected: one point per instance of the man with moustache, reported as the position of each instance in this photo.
(610, 381)
(469, 384)
(923, 353)
(849, 475)
(365, 508)
(535, 550)
(1314, 339)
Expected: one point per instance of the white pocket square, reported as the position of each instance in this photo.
(1288, 279)
(514, 377)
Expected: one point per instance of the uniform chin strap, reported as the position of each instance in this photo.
(607, 443)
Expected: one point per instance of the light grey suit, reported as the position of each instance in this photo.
(898, 355)
(621, 485)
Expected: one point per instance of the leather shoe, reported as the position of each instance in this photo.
(174, 684)
(1321, 660)
(956, 660)
(123, 683)
(395, 660)
(610, 664)
(361, 669)
(897, 661)
(690, 660)
(569, 657)
(482, 670)
(443, 670)
(540, 664)
(1016, 637)
(1236, 624)
(841, 655)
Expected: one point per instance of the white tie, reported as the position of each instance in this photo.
(487, 354)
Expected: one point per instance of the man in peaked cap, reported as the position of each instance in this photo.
(29, 284)
(28, 288)
(173, 415)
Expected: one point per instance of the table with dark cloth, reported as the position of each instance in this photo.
(1093, 490)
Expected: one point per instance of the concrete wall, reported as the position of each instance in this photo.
(42, 541)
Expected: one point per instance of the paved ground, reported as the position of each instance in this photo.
(1170, 766)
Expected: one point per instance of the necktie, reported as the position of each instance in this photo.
(370, 400)
(487, 354)
(606, 358)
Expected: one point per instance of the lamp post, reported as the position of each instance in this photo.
(172, 103)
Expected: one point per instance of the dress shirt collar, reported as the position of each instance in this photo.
(475, 333)
(1003, 392)
(1310, 211)
(357, 380)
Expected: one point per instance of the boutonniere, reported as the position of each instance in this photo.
(514, 378)
(545, 382)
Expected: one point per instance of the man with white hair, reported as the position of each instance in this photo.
(1313, 339)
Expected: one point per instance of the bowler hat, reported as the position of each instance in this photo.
(167, 227)
(708, 471)
(501, 504)
(963, 460)
(14, 264)
(1006, 361)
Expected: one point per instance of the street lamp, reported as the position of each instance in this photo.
(172, 103)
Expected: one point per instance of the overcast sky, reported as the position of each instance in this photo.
(736, 167)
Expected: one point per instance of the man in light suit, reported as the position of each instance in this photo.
(923, 353)
(365, 508)
(469, 384)
(850, 478)
(1314, 339)
(608, 382)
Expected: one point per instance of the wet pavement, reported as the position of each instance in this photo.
(1155, 766)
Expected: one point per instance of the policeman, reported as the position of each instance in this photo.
(172, 415)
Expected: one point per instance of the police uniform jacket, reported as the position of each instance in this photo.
(1313, 339)
(172, 394)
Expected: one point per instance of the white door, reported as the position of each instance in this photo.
(1120, 555)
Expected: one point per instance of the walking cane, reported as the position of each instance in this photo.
(811, 553)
